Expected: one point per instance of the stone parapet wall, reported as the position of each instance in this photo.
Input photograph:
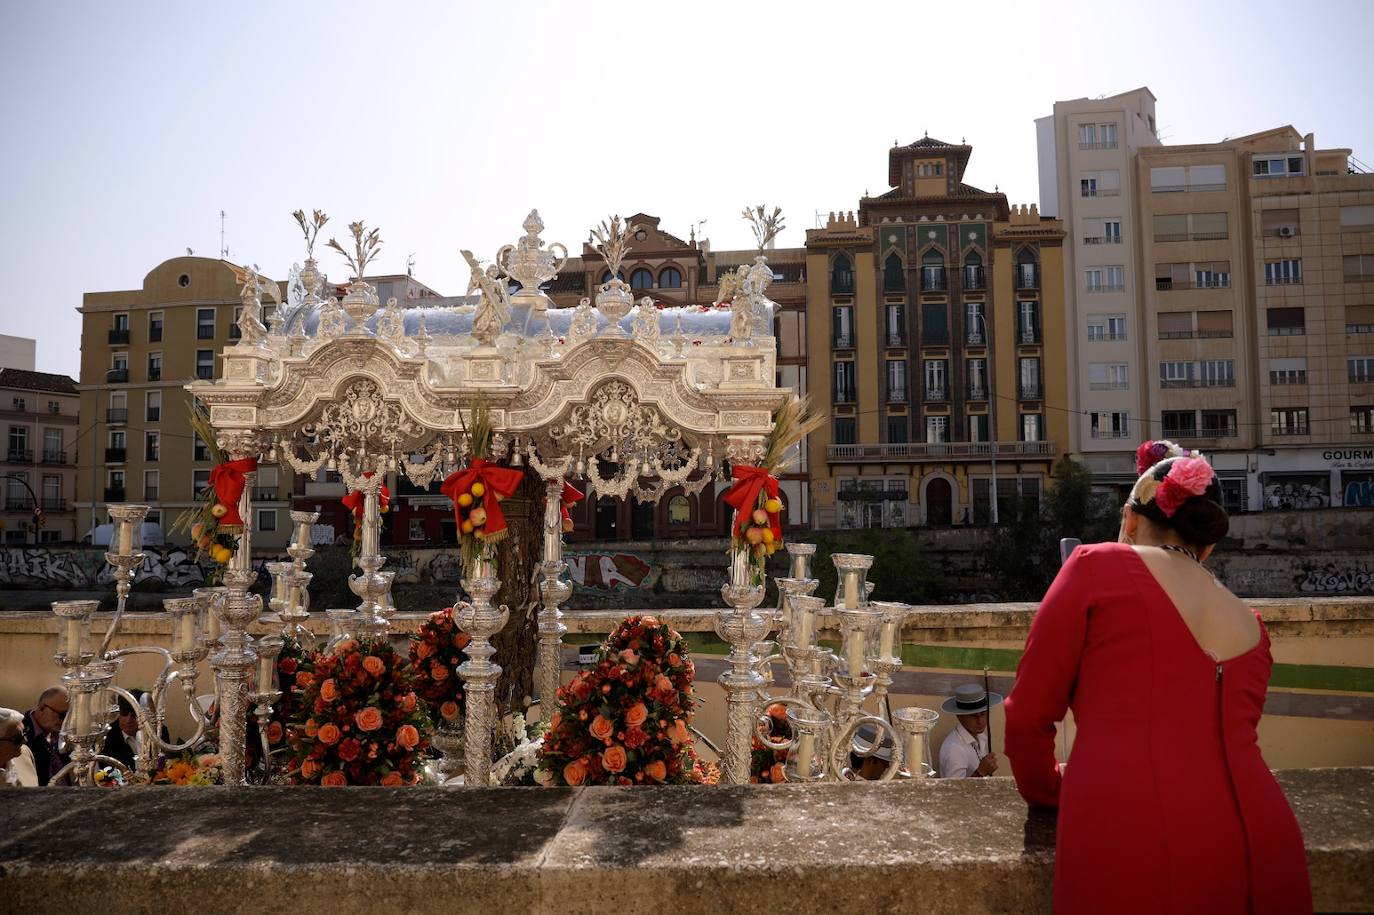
(930, 846)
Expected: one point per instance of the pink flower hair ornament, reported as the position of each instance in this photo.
(1187, 477)
(1151, 453)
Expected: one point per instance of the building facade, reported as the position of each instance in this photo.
(935, 338)
(42, 428)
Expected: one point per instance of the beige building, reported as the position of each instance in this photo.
(39, 411)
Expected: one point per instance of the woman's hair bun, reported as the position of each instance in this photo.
(1200, 521)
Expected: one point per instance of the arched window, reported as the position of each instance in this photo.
(1026, 270)
(894, 277)
(641, 279)
(670, 278)
(679, 511)
(842, 276)
(606, 277)
(932, 271)
(973, 271)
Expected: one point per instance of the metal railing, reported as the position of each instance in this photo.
(50, 504)
(896, 394)
(936, 394)
(1027, 276)
(116, 455)
(117, 415)
(265, 494)
(1031, 391)
(119, 336)
(19, 455)
(974, 278)
(54, 457)
(1223, 432)
(933, 279)
(117, 376)
(842, 283)
(114, 493)
(896, 339)
(842, 341)
(936, 451)
(974, 338)
(1030, 335)
(977, 392)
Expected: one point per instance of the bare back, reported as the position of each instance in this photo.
(1222, 625)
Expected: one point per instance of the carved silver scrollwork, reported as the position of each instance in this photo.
(364, 419)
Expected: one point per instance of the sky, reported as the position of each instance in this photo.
(128, 127)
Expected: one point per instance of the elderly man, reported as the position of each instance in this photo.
(16, 761)
(967, 750)
(43, 730)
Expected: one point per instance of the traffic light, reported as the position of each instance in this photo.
(37, 518)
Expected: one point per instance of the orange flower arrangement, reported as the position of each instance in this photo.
(765, 762)
(435, 653)
(624, 721)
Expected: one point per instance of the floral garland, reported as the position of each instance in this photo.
(435, 653)
(1151, 453)
(480, 519)
(758, 520)
(625, 721)
(766, 763)
(363, 723)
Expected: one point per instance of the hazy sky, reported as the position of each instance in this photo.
(128, 127)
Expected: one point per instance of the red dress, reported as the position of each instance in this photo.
(1166, 804)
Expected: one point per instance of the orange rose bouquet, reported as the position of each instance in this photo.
(361, 720)
(435, 653)
(765, 762)
(625, 721)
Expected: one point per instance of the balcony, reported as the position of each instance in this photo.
(974, 338)
(205, 372)
(114, 493)
(118, 335)
(1102, 144)
(151, 493)
(1175, 335)
(1177, 432)
(205, 331)
(896, 338)
(1198, 383)
(154, 414)
(115, 455)
(1032, 391)
(1110, 433)
(1107, 386)
(18, 502)
(1027, 276)
(51, 504)
(977, 392)
(19, 455)
(117, 415)
(155, 333)
(54, 457)
(936, 451)
(265, 494)
(1219, 432)
(1101, 239)
(151, 456)
(1029, 336)
(117, 376)
(845, 396)
(842, 341)
(933, 279)
(974, 279)
(936, 394)
(154, 374)
(842, 282)
(1100, 191)
(1289, 430)
(896, 395)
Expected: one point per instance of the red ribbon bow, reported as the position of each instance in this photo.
(356, 502)
(743, 495)
(228, 480)
(571, 496)
(497, 481)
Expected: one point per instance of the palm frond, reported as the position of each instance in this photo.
(791, 425)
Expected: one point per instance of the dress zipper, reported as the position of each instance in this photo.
(1231, 782)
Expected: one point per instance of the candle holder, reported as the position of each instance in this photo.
(914, 725)
(341, 620)
(851, 589)
(553, 591)
(884, 649)
(742, 627)
(281, 574)
(372, 585)
(266, 693)
(481, 621)
(297, 611)
(233, 664)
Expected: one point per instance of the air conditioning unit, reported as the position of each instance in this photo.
(1287, 231)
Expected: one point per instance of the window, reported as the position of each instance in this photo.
(16, 493)
(152, 446)
(606, 277)
(1277, 166)
(894, 276)
(1283, 272)
(1357, 217)
(154, 326)
(896, 380)
(1097, 327)
(154, 366)
(1285, 322)
(1206, 178)
(896, 429)
(1097, 136)
(1116, 279)
(641, 279)
(1168, 179)
(1108, 376)
(934, 324)
(974, 278)
(1100, 184)
(1111, 231)
(1212, 274)
(896, 324)
(52, 490)
(1175, 325)
(1178, 423)
(415, 529)
(153, 407)
(937, 374)
(117, 440)
(842, 276)
(205, 364)
(1291, 421)
(150, 485)
(54, 406)
(670, 278)
(1171, 227)
(1171, 276)
(1362, 420)
(1208, 226)
(1175, 374)
(19, 443)
(235, 332)
(1278, 223)
(1092, 280)
(1215, 324)
(977, 370)
(1359, 369)
(1358, 268)
(978, 427)
(845, 391)
(52, 446)
(1219, 423)
(1030, 378)
(1027, 272)
(844, 430)
(1114, 424)
(1028, 321)
(200, 481)
(267, 519)
(1288, 371)
(205, 324)
(937, 430)
(1359, 319)
(1030, 427)
(1087, 187)
(1217, 373)
(975, 323)
(120, 362)
(842, 326)
(932, 271)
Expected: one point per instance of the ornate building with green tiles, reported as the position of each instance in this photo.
(935, 336)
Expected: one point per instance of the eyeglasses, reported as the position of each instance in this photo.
(60, 713)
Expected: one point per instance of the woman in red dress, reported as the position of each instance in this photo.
(1167, 805)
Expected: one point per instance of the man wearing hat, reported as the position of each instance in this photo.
(871, 767)
(967, 750)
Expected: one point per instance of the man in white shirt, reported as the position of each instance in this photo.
(16, 761)
(967, 750)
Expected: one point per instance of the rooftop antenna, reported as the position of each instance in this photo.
(698, 225)
(189, 252)
(410, 264)
(818, 219)
(223, 248)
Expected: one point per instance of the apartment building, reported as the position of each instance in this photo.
(1086, 152)
(675, 272)
(936, 338)
(39, 412)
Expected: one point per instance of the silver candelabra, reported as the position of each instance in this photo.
(481, 621)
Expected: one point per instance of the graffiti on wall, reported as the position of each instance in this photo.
(604, 572)
(1296, 496)
(1359, 494)
(1333, 579)
(56, 568)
